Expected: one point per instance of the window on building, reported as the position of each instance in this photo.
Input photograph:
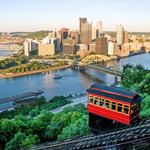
(107, 104)
(91, 99)
(119, 109)
(126, 109)
(113, 106)
(101, 102)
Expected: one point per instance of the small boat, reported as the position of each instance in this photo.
(58, 76)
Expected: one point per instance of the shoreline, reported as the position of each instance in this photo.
(32, 72)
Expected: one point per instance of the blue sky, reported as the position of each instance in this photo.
(32, 15)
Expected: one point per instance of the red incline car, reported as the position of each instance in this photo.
(107, 104)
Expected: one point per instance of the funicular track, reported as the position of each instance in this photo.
(136, 135)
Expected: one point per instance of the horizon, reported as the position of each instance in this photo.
(36, 15)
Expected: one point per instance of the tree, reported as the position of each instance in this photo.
(144, 86)
(7, 129)
(29, 141)
(79, 127)
(58, 122)
(21, 140)
(132, 75)
(15, 142)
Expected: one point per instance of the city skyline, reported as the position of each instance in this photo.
(33, 15)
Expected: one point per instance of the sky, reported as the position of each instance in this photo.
(33, 15)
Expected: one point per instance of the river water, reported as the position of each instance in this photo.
(8, 52)
(73, 82)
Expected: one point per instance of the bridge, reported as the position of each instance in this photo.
(82, 66)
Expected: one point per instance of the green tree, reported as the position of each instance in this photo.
(29, 141)
(15, 142)
(79, 127)
(7, 129)
(144, 86)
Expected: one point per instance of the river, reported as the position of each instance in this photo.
(73, 82)
(8, 52)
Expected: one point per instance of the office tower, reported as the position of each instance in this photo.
(120, 34)
(99, 28)
(74, 36)
(64, 34)
(111, 48)
(126, 37)
(30, 47)
(81, 22)
(101, 46)
(85, 31)
(93, 33)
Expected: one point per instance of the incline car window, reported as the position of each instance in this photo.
(101, 102)
(96, 101)
(107, 104)
(126, 109)
(119, 109)
(91, 99)
(113, 106)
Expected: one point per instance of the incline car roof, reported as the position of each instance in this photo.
(113, 92)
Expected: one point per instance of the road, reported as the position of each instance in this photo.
(75, 100)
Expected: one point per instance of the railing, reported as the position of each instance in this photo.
(114, 71)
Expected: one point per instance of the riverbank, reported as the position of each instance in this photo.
(12, 75)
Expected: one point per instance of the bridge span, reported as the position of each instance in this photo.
(82, 66)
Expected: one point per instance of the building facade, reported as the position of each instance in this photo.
(101, 46)
(30, 47)
(81, 22)
(99, 28)
(120, 34)
(111, 48)
(69, 49)
(46, 50)
(86, 33)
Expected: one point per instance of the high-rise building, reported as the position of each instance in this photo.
(74, 36)
(101, 46)
(111, 48)
(85, 31)
(126, 37)
(30, 47)
(93, 33)
(64, 34)
(81, 22)
(120, 34)
(99, 28)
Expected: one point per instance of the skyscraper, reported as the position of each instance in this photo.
(81, 22)
(99, 28)
(30, 47)
(93, 33)
(85, 31)
(120, 34)
(126, 37)
(64, 34)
